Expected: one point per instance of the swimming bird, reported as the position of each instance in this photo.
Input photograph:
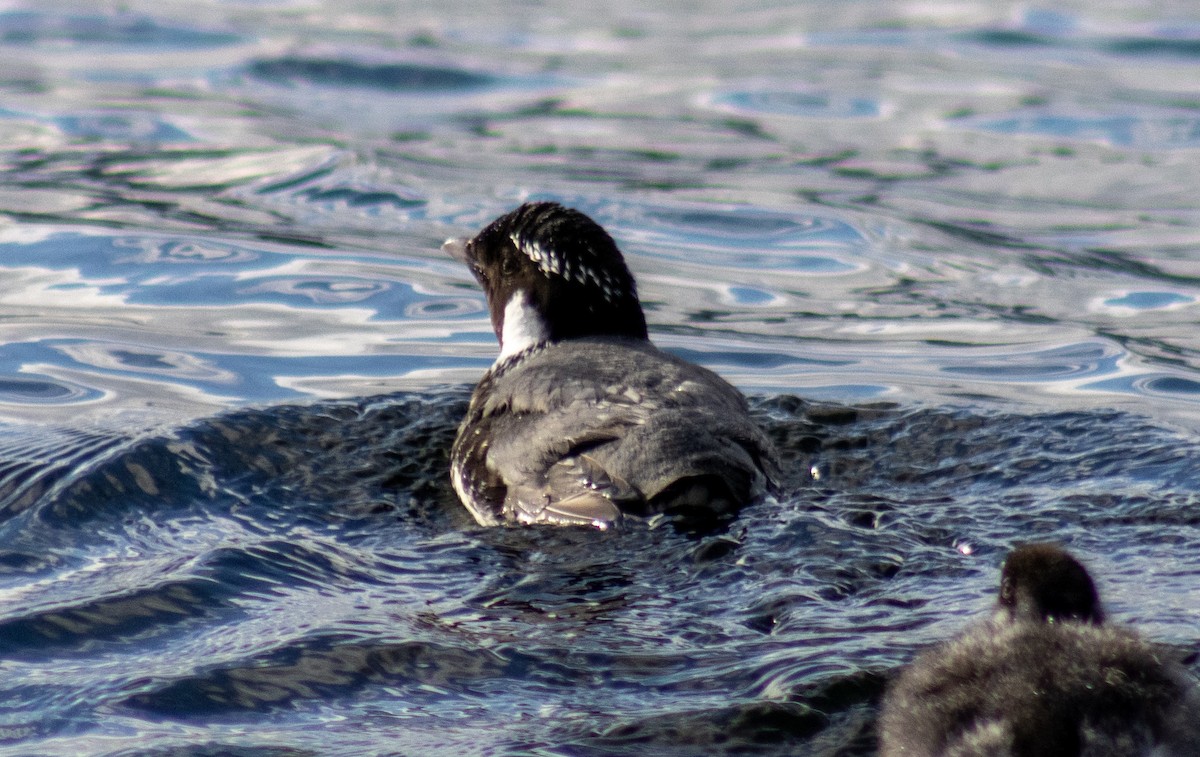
(581, 419)
(1045, 675)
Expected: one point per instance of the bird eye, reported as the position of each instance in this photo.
(508, 266)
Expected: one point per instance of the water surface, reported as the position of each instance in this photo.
(949, 250)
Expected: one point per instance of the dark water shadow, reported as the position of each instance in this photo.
(394, 77)
(767, 637)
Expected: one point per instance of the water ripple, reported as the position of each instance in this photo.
(1144, 131)
(972, 234)
(1073, 361)
(796, 103)
(313, 557)
(116, 30)
(400, 77)
(749, 239)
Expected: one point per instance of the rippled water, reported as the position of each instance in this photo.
(951, 250)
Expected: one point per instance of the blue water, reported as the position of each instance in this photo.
(951, 251)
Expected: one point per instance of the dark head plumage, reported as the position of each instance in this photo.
(565, 265)
(1046, 675)
(1044, 583)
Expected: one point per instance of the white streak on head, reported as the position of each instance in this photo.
(532, 250)
(552, 263)
(523, 326)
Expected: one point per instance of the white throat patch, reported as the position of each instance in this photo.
(523, 326)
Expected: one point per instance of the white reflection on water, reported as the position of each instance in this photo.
(137, 359)
(218, 323)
